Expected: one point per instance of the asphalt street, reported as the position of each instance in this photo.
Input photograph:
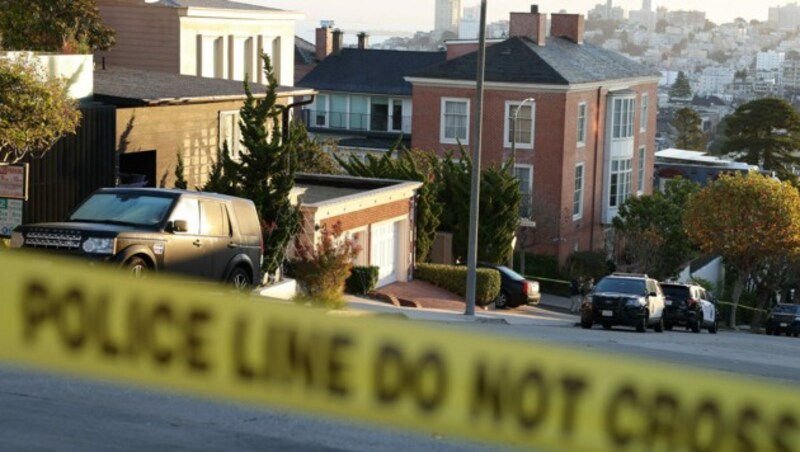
(46, 412)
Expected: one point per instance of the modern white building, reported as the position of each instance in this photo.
(714, 80)
(769, 61)
(785, 17)
(448, 14)
(470, 23)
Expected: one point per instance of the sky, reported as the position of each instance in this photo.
(417, 15)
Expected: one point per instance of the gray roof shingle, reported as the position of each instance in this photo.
(133, 87)
(559, 62)
(215, 4)
(370, 71)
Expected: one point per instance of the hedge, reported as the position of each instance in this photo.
(454, 279)
(362, 280)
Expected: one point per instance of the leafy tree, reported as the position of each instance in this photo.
(53, 25)
(180, 180)
(766, 132)
(34, 111)
(412, 165)
(689, 126)
(651, 232)
(748, 219)
(681, 88)
(311, 154)
(499, 207)
(740, 74)
(218, 180)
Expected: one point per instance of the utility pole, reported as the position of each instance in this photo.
(472, 251)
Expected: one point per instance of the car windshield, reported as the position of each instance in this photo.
(676, 292)
(621, 285)
(128, 209)
(786, 309)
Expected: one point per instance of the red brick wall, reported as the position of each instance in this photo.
(528, 25)
(567, 25)
(371, 215)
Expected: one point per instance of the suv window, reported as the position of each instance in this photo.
(786, 309)
(247, 219)
(621, 285)
(676, 292)
(214, 221)
(137, 210)
(188, 210)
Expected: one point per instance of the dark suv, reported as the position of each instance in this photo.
(689, 305)
(146, 229)
(625, 299)
(784, 318)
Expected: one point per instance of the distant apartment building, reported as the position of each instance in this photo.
(208, 38)
(447, 16)
(769, 61)
(785, 17)
(694, 20)
(714, 80)
(790, 76)
(645, 17)
(585, 128)
(606, 11)
(470, 23)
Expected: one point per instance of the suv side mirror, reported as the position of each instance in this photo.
(179, 226)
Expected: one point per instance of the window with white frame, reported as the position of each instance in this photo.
(521, 131)
(455, 121)
(640, 170)
(229, 133)
(524, 173)
(623, 118)
(644, 113)
(582, 124)
(620, 182)
(577, 196)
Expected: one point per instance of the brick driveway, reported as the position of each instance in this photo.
(426, 295)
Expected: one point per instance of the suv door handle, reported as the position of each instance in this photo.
(232, 245)
(197, 243)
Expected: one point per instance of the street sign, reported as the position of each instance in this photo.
(14, 181)
(10, 215)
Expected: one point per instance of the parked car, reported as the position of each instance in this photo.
(146, 229)
(689, 305)
(515, 290)
(625, 299)
(784, 318)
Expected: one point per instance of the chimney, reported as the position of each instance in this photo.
(530, 25)
(568, 26)
(363, 40)
(324, 41)
(338, 39)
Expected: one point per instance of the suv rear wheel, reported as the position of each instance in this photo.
(239, 279)
(659, 328)
(698, 324)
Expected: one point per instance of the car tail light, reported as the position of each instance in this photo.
(525, 288)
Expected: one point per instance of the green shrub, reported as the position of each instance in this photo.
(362, 280)
(542, 265)
(586, 263)
(324, 266)
(454, 279)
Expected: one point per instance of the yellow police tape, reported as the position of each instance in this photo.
(98, 323)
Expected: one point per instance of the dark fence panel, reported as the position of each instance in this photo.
(76, 166)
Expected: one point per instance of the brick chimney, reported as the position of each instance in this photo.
(363, 40)
(568, 26)
(338, 41)
(324, 42)
(530, 25)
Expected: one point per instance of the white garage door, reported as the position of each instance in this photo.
(383, 251)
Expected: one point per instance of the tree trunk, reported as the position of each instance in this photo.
(738, 288)
(762, 297)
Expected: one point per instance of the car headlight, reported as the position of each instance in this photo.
(633, 303)
(17, 240)
(96, 245)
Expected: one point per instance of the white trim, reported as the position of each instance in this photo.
(579, 215)
(359, 201)
(236, 147)
(442, 138)
(641, 169)
(584, 129)
(644, 118)
(509, 106)
(610, 85)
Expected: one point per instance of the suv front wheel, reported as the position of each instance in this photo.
(137, 267)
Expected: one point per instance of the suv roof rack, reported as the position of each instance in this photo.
(635, 275)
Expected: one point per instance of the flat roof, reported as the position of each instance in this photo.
(699, 157)
(322, 189)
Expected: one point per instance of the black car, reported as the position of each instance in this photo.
(625, 299)
(515, 290)
(145, 229)
(690, 306)
(784, 318)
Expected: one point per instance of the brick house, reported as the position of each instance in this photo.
(585, 129)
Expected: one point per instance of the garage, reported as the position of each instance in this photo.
(383, 251)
